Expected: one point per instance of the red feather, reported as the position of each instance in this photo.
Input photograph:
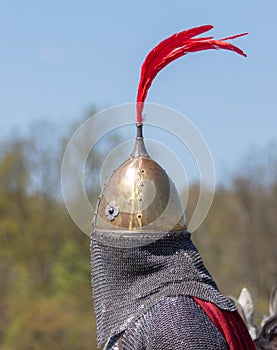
(170, 49)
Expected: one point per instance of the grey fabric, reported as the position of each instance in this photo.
(127, 282)
(174, 323)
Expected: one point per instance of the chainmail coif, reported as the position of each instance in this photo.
(128, 282)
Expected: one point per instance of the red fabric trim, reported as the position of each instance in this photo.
(230, 324)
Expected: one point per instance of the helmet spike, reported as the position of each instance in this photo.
(139, 130)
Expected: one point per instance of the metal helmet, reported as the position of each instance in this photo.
(139, 201)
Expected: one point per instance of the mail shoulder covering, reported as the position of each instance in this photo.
(175, 323)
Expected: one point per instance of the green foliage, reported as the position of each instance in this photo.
(51, 323)
(238, 238)
(70, 269)
(45, 289)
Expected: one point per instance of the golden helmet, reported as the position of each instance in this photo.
(139, 201)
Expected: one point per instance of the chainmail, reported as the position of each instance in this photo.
(174, 323)
(127, 282)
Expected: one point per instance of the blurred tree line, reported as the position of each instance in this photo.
(45, 291)
(238, 240)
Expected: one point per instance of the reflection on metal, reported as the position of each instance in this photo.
(141, 196)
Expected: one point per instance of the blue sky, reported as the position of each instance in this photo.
(59, 58)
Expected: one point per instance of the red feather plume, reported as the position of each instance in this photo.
(170, 49)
